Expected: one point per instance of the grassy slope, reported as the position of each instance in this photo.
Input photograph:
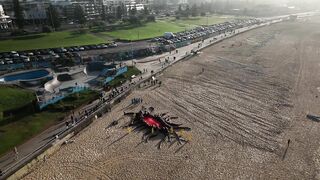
(20, 131)
(14, 98)
(48, 40)
(126, 76)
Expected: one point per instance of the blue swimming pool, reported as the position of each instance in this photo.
(30, 75)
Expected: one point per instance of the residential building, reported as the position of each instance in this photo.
(5, 21)
(33, 11)
(92, 8)
(111, 5)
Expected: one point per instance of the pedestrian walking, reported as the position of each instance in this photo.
(16, 153)
(67, 124)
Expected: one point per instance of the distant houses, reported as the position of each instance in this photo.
(5, 21)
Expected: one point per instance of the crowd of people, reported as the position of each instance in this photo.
(136, 101)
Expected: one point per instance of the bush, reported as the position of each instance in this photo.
(80, 31)
(134, 20)
(111, 18)
(97, 23)
(46, 29)
(141, 17)
(203, 14)
(151, 18)
(18, 32)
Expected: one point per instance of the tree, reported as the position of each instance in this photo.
(151, 18)
(179, 12)
(134, 20)
(103, 13)
(146, 10)
(124, 9)
(119, 12)
(79, 15)
(187, 11)
(194, 10)
(245, 11)
(53, 17)
(175, 2)
(18, 14)
(203, 8)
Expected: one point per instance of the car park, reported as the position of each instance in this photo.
(113, 45)
(175, 40)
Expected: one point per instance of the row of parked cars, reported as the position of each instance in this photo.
(202, 32)
(168, 39)
(43, 54)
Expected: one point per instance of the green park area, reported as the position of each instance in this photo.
(25, 122)
(158, 28)
(14, 97)
(136, 32)
(145, 31)
(124, 77)
(49, 40)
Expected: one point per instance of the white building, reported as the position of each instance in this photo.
(115, 3)
(34, 11)
(5, 21)
(92, 8)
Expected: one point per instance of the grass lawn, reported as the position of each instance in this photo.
(69, 38)
(12, 98)
(146, 31)
(49, 40)
(158, 28)
(124, 77)
(19, 131)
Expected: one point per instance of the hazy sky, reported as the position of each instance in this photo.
(278, 2)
